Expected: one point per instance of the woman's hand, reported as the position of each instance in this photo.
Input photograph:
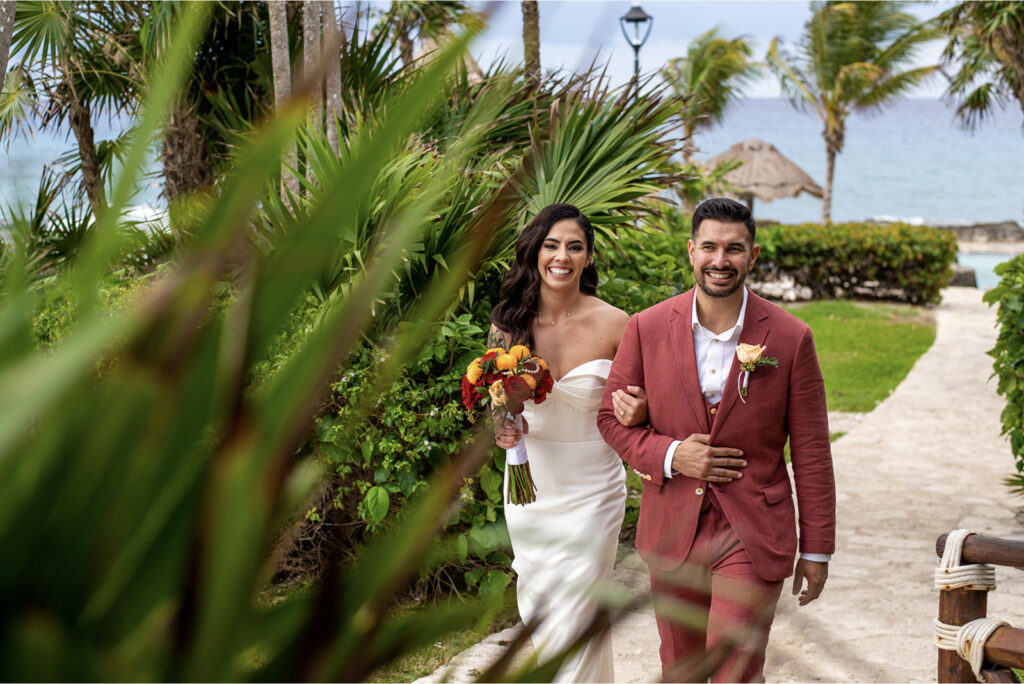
(630, 405)
(505, 433)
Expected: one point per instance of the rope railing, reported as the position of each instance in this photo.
(966, 638)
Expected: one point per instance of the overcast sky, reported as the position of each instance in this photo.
(573, 32)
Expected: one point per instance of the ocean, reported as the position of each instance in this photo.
(908, 162)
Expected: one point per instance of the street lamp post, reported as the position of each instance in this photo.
(639, 19)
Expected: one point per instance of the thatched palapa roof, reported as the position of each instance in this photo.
(766, 173)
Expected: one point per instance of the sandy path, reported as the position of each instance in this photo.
(929, 459)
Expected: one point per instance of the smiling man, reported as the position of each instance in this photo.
(717, 523)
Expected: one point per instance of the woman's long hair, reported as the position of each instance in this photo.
(520, 292)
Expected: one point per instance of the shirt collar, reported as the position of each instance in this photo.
(736, 328)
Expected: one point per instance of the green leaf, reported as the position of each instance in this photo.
(377, 502)
(491, 482)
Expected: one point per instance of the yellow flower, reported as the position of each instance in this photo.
(541, 363)
(506, 362)
(519, 351)
(474, 370)
(497, 350)
(530, 380)
(497, 390)
(749, 353)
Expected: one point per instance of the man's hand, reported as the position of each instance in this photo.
(695, 458)
(505, 433)
(815, 573)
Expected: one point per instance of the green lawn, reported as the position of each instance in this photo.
(865, 349)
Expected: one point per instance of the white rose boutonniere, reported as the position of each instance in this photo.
(751, 357)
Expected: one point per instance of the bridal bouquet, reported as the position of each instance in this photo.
(507, 380)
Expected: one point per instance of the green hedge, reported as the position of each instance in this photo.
(878, 261)
(1009, 356)
(651, 267)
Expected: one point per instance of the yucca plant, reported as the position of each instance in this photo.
(144, 481)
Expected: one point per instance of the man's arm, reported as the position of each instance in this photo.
(811, 453)
(642, 448)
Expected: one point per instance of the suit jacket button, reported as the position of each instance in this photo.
(699, 491)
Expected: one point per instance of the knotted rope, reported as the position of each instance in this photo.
(967, 640)
(952, 575)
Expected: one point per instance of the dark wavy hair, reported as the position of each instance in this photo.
(521, 290)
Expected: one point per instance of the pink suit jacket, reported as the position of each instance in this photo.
(657, 353)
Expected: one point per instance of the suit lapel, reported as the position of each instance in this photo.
(755, 331)
(681, 332)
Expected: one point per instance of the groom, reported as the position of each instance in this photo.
(717, 524)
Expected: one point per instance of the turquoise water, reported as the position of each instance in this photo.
(984, 267)
(909, 162)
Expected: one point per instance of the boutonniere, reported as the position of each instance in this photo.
(751, 357)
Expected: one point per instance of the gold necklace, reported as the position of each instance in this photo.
(555, 321)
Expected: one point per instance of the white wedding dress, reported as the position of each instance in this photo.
(565, 541)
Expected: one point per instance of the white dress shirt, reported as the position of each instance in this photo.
(714, 353)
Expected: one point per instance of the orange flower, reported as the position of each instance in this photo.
(497, 350)
(530, 380)
(541, 362)
(519, 351)
(506, 362)
(474, 371)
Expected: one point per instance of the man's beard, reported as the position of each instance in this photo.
(702, 280)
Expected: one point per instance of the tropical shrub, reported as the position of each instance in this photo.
(140, 502)
(1009, 356)
(646, 267)
(875, 261)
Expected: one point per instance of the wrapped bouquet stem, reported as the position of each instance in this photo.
(506, 380)
(521, 487)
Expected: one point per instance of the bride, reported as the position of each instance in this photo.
(564, 542)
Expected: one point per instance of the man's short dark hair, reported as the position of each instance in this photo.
(726, 211)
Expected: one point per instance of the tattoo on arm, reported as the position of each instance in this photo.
(495, 338)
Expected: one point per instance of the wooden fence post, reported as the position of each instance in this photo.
(958, 607)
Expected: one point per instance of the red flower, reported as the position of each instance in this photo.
(469, 393)
(487, 358)
(517, 389)
(515, 407)
(544, 385)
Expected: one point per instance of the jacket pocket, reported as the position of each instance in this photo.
(777, 491)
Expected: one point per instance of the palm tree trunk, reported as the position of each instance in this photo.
(826, 194)
(531, 41)
(688, 147)
(332, 85)
(311, 56)
(6, 29)
(405, 45)
(186, 157)
(80, 118)
(281, 65)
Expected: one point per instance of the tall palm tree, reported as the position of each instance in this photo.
(986, 41)
(408, 20)
(72, 59)
(531, 40)
(332, 41)
(851, 56)
(282, 70)
(6, 28)
(711, 75)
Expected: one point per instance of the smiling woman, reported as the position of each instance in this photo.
(571, 530)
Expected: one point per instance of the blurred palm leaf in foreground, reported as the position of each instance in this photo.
(143, 483)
